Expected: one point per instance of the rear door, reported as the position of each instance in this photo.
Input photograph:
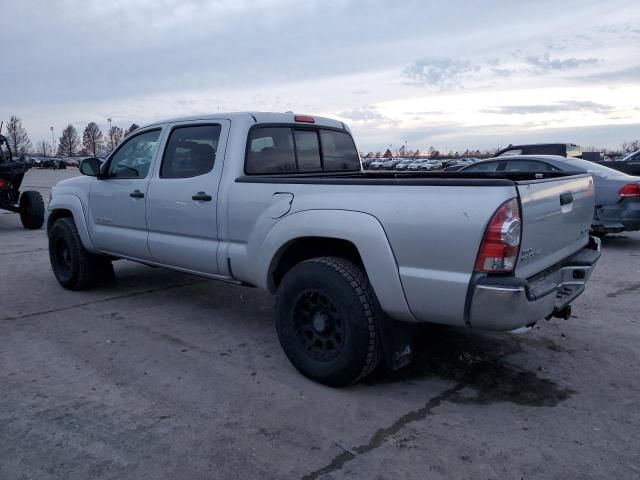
(556, 219)
(182, 197)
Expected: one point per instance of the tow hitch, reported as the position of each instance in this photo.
(564, 313)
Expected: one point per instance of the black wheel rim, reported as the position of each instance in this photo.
(319, 325)
(62, 256)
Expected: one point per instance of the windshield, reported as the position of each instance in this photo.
(593, 168)
(632, 156)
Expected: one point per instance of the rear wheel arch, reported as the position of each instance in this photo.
(301, 249)
(355, 236)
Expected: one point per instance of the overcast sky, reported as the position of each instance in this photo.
(452, 74)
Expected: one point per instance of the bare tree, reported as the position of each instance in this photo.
(115, 136)
(630, 147)
(17, 137)
(69, 141)
(131, 129)
(43, 148)
(92, 139)
(387, 154)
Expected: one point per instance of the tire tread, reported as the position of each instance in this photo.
(359, 282)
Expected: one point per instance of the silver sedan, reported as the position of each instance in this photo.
(617, 194)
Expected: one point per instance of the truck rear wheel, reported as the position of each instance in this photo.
(31, 210)
(73, 266)
(325, 319)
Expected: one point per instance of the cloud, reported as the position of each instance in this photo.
(439, 72)
(365, 114)
(503, 72)
(564, 106)
(546, 64)
(627, 75)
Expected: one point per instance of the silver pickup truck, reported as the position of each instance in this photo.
(280, 202)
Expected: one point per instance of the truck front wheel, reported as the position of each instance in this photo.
(325, 319)
(74, 267)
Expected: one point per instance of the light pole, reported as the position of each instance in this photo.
(53, 143)
(110, 136)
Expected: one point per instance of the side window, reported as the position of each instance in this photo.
(133, 158)
(190, 151)
(482, 167)
(308, 150)
(270, 151)
(338, 151)
(527, 166)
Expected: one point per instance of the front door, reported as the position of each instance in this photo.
(182, 197)
(117, 206)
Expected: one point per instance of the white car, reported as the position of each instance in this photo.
(431, 165)
(415, 165)
(404, 164)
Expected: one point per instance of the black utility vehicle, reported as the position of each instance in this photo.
(29, 204)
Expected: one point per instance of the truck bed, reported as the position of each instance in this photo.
(409, 178)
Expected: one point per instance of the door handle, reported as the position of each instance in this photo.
(202, 197)
(136, 194)
(566, 199)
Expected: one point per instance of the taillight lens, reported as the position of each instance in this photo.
(3, 184)
(630, 190)
(499, 248)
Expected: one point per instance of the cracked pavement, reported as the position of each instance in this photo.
(166, 375)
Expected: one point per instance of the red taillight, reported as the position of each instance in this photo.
(3, 184)
(630, 190)
(304, 119)
(501, 241)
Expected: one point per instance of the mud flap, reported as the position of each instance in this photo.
(397, 342)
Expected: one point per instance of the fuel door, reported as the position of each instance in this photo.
(280, 204)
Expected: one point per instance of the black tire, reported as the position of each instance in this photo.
(325, 319)
(31, 210)
(73, 266)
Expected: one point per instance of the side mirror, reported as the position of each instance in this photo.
(90, 167)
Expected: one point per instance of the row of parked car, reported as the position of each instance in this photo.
(414, 164)
(54, 163)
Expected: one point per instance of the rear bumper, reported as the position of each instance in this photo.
(508, 303)
(622, 216)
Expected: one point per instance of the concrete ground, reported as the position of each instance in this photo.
(165, 375)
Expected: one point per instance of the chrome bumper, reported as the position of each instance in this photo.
(508, 303)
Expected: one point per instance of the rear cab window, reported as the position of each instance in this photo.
(294, 149)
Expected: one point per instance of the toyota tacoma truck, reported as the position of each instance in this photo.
(279, 201)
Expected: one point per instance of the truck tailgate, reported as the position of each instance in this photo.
(556, 219)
